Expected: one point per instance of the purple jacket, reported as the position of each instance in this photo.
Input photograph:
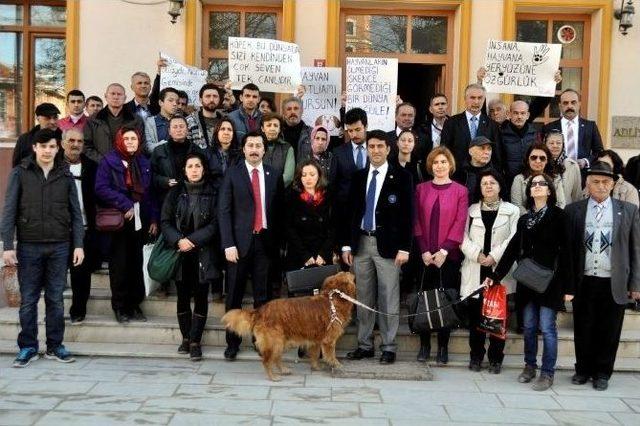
(111, 190)
(453, 214)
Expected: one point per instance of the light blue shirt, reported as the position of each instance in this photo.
(598, 239)
(469, 115)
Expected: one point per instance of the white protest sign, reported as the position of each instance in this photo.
(321, 100)
(182, 77)
(521, 68)
(272, 65)
(372, 84)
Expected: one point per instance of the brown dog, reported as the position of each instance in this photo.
(302, 321)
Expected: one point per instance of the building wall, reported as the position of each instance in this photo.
(311, 34)
(118, 38)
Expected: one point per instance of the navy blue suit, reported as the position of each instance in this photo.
(589, 140)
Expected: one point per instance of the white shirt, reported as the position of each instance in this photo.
(575, 125)
(262, 190)
(436, 134)
(75, 118)
(76, 171)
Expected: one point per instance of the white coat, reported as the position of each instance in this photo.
(503, 230)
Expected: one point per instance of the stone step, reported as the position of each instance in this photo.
(165, 306)
(164, 330)
(217, 353)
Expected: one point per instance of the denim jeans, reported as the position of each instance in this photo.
(543, 318)
(42, 266)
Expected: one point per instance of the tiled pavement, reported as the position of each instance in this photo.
(97, 391)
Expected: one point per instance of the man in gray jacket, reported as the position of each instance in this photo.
(605, 269)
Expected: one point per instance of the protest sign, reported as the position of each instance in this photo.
(182, 77)
(372, 84)
(272, 65)
(321, 100)
(521, 68)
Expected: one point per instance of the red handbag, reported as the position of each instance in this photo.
(493, 319)
(109, 219)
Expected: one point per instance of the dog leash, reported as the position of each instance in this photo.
(362, 305)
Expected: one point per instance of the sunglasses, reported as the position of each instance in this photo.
(542, 158)
(539, 183)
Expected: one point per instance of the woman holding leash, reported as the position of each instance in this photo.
(539, 239)
(441, 213)
(491, 224)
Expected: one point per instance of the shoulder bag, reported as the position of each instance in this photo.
(109, 219)
(164, 261)
(530, 273)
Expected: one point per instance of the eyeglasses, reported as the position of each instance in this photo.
(539, 183)
(542, 158)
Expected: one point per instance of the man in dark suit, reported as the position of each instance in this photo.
(376, 242)
(141, 104)
(405, 120)
(460, 129)
(351, 156)
(83, 170)
(249, 204)
(605, 268)
(582, 137)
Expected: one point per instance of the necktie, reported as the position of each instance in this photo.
(257, 201)
(599, 212)
(371, 201)
(473, 128)
(571, 142)
(360, 157)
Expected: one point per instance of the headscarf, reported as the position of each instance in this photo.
(132, 175)
(314, 131)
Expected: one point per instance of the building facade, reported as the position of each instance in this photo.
(50, 46)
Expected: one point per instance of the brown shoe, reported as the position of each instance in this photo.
(543, 383)
(527, 375)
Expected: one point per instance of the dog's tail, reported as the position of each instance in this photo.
(240, 321)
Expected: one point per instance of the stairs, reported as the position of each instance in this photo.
(100, 334)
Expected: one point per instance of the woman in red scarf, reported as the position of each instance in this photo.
(123, 182)
(309, 226)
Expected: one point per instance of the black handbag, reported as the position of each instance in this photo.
(432, 310)
(531, 274)
(306, 280)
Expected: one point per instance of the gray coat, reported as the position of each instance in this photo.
(625, 248)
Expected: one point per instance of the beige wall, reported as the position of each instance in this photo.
(118, 38)
(311, 30)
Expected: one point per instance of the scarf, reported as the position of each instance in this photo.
(534, 217)
(132, 174)
(313, 200)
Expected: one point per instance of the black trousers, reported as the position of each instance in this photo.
(190, 285)
(597, 324)
(256, 262)
(81, 275)
(477, 338)
(448, 276)
(125, 269)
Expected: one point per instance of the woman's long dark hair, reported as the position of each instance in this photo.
(235, 146)
(551, 201)
(297, 179)
(548, 169)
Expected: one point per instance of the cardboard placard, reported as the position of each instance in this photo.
(182, 77)
(321, 100)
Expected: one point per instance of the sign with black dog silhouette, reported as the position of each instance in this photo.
(521, 68)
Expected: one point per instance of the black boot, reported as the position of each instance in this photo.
(197, 328)
(425, 347)
(184, 321)
(442, 356)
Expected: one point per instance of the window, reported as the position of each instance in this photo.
(220, 23)
(574, 61)
(32, 61)
(350, 28)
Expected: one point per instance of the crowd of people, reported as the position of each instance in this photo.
(243, 191)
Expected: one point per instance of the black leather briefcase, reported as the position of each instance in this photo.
(304, 281)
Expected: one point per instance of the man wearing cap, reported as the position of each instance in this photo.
(480, 152)
(604, 262)
(47, 118)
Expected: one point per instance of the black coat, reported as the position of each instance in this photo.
(216, 167)
(514, 149)
(589, 140)
(546, 244)
(456, 137)
(344, 168)
(236, 208)
(164, 168)
(309, 229)
(394, 212)
(201, 227)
